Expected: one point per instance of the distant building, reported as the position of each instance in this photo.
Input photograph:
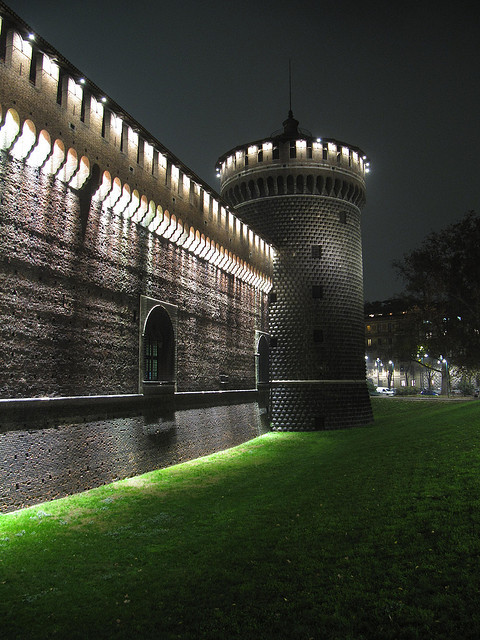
(392, 333)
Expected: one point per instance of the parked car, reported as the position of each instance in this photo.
(385, 391)
(429, 392)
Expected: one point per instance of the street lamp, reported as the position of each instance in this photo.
(391, 372)
(447, 381)
(377, 364)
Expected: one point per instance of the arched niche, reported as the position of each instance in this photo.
(157, 361)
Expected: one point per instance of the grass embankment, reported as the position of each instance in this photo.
(363, 533)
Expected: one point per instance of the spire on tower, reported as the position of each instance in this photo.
(290, 125)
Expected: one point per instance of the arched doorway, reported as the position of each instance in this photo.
(263, 363)
(159, 347)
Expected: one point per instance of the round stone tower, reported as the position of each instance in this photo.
(304, 195)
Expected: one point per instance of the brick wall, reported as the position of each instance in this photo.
(42, 464)
(71, 282)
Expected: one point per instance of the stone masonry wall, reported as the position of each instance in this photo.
(47, 463)
(319, 244)
(71, 281)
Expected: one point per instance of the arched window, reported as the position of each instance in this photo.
(159, 347)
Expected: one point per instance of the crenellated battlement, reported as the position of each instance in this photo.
(57, 120)
(301, 153)
(292, 162)
(293, 168)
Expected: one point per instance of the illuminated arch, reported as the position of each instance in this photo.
(56, 158)
(41, 150)
(25, 142)
(190, 240)
(81, 176)
(124, 199)
(205, 248)
(149, 216)
(114, 194)
(142, 209)
(170, 230)
(68, 169)
(164, 224)
(10, 129)
(200, 246)
(178, 235)
(156, 220)
(132, 208)
(105, 186)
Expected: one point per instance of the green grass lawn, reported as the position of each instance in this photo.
(363, 533)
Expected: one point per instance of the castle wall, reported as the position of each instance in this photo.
(138, 174)
(100, 225)
(71, 298)
(43, 463)
(96, 215)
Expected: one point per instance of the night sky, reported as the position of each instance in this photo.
(399, 80)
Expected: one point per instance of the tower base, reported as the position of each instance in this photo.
(314, 405)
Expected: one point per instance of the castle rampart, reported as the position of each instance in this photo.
(56, 119)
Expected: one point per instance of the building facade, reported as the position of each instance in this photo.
(396, 351)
